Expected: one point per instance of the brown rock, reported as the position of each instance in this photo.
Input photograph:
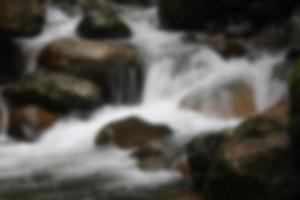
(28, 122)
(279, 111)
(235, 99)
(131, 133)
(115, 67)
(21, 17)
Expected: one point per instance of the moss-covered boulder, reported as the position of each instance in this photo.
(28, 122)
(116, 68)
(21, 17)
(55, 91)
(201, 152)
(255, 162)
(101, 22)
(131, 132)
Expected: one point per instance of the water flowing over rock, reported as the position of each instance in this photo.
(235, 99)
(131, 133)
(55, 91)
(101, 22)
(28, 122)
(255, 162)
(116, 68)
(21, 17)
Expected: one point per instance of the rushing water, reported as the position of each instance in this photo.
(174, 69)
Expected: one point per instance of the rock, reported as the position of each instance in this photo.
(218, 14)
(294, 125)
(21, 17)
(11, 61)
(234, 99)
(116, 68)
(279, 111)
(253, 163)
(28, 122)
(101, 22)
(131, 133)
(201, 152)
(55, 91)
(226, 47)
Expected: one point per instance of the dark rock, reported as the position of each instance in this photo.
(255, 162)
(201, 152)
(21, 17)
(11, 61)
(116, 68)
(137, 2)
(28, 122)
(101, 22)
(217, 14)
(55, 91)
(131, 133)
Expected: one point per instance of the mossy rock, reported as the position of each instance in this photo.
(102, 22)
(21, 17)
(56, 91)
(255, 162)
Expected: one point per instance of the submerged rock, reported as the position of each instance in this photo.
(116, 68)
(28, 122)
(55, 91)
(21, 17)
(234, 99)
(131, 133)
(101, 21)
(253, 163)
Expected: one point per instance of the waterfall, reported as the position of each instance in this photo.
(174, 69)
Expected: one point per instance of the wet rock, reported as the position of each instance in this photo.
(226, 47)
(28, 122)
(201, 153)
(279, 111)
(217, 14)
(131, 133)
(21, 17)
(55, 91)
(234, 99)
(102, 22)
(253, 163)
(116, 68)
(11, 61)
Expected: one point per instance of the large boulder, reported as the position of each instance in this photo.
(116, 68)
(101, 22)
(255, 162)
(55, 91)
(201, 153)
(193, 14)
(21, 17)
(28, 122)
(232, 99)
(131, 133)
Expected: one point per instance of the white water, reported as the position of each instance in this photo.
(174, 70)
